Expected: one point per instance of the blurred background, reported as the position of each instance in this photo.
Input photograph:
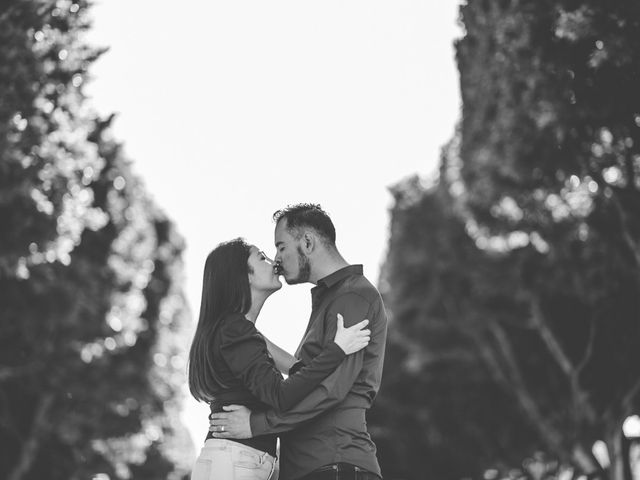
(481, 159)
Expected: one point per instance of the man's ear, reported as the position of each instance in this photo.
(309, 242)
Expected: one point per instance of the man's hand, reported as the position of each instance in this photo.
(232, 423)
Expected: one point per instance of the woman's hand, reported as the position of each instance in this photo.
(354, 338)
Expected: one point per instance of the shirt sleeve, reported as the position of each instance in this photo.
(332, 390)
(245, 351)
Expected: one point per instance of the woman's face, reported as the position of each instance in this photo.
(264, 277)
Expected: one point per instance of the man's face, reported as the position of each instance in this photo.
(295, 264)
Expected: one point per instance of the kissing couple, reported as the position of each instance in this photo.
(318, 412)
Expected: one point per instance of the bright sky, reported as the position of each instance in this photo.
(231, 110)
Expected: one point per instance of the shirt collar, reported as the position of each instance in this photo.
(330, 280)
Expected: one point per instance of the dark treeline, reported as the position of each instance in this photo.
(91, 312)
(513, 281)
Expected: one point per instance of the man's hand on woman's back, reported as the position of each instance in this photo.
(233, 423)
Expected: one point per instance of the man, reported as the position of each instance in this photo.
(325, 435)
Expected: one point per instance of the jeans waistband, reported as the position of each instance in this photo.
(223, 444)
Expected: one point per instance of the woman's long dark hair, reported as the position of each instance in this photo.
(225, 290)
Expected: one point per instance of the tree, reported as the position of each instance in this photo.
(514, 282)
(93, 316)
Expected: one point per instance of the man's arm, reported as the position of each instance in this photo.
(330, 392)
(335, 387)
(239, 422)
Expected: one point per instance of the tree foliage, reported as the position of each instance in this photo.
(92, 318)
(514, 281)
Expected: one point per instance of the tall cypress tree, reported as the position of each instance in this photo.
(92, 312)
(514, 282)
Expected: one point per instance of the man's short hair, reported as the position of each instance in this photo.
(308, 215)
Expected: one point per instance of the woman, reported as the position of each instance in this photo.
(229, 362)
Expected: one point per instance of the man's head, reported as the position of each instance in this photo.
(304, 235)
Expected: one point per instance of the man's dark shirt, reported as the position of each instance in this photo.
(246, 374)
(329, 425)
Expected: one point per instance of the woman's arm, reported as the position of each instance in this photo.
(283, 359)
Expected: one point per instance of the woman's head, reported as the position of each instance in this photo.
(225, 283)
(232, 271)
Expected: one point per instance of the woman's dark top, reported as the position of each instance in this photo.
(247, 375)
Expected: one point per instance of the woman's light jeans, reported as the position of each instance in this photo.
(228, 460)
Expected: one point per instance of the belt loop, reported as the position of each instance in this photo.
(273, 468)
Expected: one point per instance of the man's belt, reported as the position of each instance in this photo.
(341, 471)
